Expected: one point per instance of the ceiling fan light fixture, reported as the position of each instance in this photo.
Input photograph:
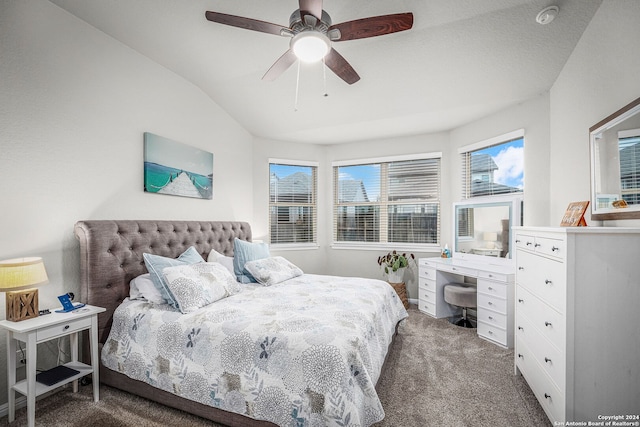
(310, 46)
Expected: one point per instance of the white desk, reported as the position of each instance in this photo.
(495, 294)
(44, 328)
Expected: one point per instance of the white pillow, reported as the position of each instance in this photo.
(142, 287)
(197, 285)
(269, 271)
(227, 261)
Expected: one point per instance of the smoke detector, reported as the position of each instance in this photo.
(547, 15)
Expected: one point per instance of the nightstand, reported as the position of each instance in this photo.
(44, 328)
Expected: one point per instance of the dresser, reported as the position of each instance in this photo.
(495, 294)
(576, 317)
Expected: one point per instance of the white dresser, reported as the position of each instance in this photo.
(495, 294)
(577, 329)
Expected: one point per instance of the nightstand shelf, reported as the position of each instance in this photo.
(84, 369)
(40, 329)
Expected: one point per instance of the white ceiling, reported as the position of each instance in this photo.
(462, 60)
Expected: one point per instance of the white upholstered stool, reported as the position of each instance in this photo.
(464, 296)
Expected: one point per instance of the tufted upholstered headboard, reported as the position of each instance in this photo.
(111, 254)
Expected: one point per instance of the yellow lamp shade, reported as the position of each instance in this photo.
(22, 273)
(16, 275)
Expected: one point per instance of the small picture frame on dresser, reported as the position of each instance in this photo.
(574, 215)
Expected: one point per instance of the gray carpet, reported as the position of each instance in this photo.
(437, 375)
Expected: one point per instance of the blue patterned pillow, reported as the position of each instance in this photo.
(156, 263)
(243, 252)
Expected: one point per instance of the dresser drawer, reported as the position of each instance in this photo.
(548, 321)
(457, 269)
(543, 277)
(63, 328)
(492, 332)
(492, 303)
(426, 284)
(427, 272)
(427, 307)
(555, 248)
(493, 276)
(492, 288)
(427, 296)
(548, 356)
(551, 398)
(492, 318)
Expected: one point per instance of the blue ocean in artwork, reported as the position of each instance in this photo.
(157, 177)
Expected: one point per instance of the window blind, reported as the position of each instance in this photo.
(629, 154)
(292, 203)
(493, 167)
(388, 202)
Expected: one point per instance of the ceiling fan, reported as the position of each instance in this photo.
(312, 32)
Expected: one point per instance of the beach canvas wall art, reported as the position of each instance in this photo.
(177, 169)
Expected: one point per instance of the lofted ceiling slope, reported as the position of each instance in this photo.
(461, 61)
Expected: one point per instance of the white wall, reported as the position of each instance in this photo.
(533, 117)
(74, 104)
(600, 77)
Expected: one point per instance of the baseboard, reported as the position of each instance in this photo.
(21, 401)
(413, 301)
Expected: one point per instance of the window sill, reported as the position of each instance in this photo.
(400, 247)
(294, 246)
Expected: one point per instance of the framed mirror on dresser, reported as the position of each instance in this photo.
(615, 165)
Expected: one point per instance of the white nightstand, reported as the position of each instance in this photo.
(44, 328)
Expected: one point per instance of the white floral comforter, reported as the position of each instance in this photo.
(305, 352)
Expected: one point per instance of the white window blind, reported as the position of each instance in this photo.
(493, 167)
(292, 202)
(629, 153)
(388, 202)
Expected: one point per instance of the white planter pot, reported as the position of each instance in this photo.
(396, 276)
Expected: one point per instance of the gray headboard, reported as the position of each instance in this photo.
(111, 254)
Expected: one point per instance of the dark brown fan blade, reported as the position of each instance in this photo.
(246, 23)
(313, 7)
(374, 26)
(280, 66)
(341, 67)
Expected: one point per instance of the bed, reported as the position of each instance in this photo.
(329, 376)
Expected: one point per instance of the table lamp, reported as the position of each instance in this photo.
(490, 238)
(17, 277)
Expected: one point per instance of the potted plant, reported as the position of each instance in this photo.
(394, 265)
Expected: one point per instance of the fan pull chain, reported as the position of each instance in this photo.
(295, 104)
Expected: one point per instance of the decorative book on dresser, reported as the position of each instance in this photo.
(576, 312)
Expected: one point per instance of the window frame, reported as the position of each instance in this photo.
(295, 245)
(377, 246)
(465, 165)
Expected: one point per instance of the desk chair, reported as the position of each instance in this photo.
(464, 296)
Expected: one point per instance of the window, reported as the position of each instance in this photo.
(292, 202)
(493, 167)
(388, 201)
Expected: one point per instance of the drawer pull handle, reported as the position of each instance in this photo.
(490, 288)
(520, 356)
(490, 317)
(537, 245)
(520, 300)
(520, 268)
(547, 360)
(553, 249)
(491, 332)
(491, 275)
(520, 328)
(518, 240)
(547, 281)
(490, 303)
(528, 243)
(547, 396)
(65, 327)
(454, 269)
(547, 323)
